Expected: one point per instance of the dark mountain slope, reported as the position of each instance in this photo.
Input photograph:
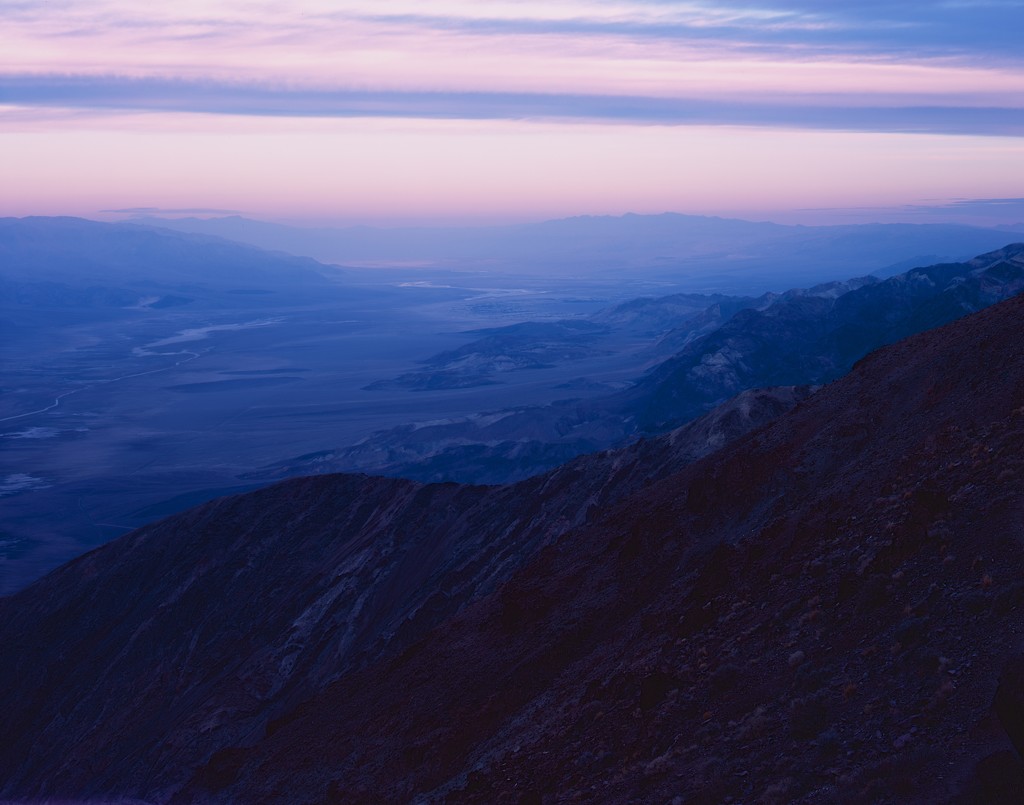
(818, 613)
(129, 667)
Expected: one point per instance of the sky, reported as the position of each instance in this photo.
(485, 111)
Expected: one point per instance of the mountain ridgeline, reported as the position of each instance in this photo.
(806, 595)
(814, 338)
(802, 337)
(374, 564)
(74, 263)
(731, 254)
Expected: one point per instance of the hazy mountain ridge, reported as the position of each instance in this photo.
(651, 328)
(815, 339)
(720, 254)
(76, 253)
(800, 337)
(632, 327)
(710, 617)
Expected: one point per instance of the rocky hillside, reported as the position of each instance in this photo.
(210, 626)
(827, 609)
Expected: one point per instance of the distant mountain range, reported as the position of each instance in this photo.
(814, 338)
(711, 255)
(827, 606)
(798, 338)
(75, 264)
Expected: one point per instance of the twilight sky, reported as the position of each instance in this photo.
(499, 110)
